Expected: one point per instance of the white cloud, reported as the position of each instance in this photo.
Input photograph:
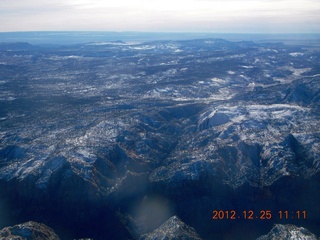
(162, 15)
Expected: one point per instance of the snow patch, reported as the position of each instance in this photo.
(218, 80)
(247, 67)
(296, 54)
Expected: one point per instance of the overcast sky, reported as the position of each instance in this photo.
(223, 16)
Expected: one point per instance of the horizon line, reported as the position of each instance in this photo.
(159, 32)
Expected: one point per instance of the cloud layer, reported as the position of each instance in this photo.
(263, 16)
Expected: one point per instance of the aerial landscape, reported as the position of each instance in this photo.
(136, 134)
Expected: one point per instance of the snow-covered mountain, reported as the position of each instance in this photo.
(112, 139)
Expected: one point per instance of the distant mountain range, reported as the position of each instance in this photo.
(76, 37)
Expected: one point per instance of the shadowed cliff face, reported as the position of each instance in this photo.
(98, 139)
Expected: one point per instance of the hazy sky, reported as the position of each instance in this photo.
(224, 16)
